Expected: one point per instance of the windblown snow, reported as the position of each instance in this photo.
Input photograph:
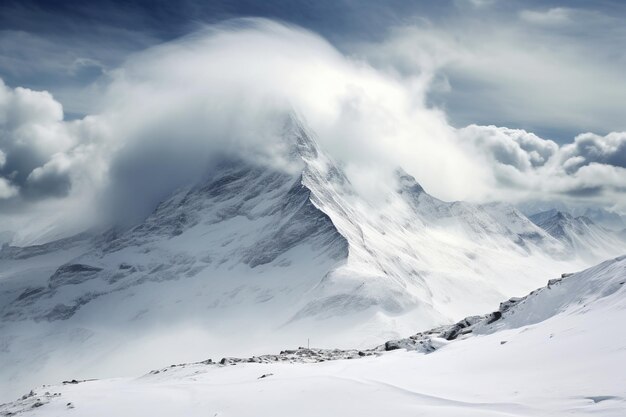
(254, 259)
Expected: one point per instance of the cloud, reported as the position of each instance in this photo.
(589, 170)
(514, 147)
(32, 130)
(590, 148)
(50, 168)
(6, 189)
(555, 71)
(51, 179)
(202, 85)
(169, 112)
(538, 65)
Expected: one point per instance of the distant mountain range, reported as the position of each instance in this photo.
(580, 234)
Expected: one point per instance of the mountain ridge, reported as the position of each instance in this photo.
(579, 234)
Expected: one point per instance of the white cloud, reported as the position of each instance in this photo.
(591, 169)
(52, 178)
(556, 70)
(32, 130)
(203, 86)
(170, 110)
(515, 147)
(589, 148)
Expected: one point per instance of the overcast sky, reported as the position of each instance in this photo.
(513, 94)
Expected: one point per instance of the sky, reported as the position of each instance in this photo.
(481, 100)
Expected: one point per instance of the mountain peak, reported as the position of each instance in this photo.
(407, 182)
(551, 216)
(300, 140)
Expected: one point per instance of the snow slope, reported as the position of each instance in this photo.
(560, 351)
(254, 258)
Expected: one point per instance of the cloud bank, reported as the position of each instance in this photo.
(590, 170)
(167, 113)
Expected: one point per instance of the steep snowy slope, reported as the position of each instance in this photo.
(559, 351)
(239, 250)
(580, 234)
(255, 258)
(438, 260)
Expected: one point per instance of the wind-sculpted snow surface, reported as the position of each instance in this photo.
(254, 258)
(554, 352)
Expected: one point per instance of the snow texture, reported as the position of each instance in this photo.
(555, 352)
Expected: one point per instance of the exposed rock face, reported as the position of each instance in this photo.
(72, 274)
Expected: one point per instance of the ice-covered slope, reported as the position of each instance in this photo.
(254, 258)
(580, 234)
(559, 351)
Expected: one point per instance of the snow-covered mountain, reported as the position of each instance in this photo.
(602, 217)
(257, 257)
(557, 351)
(580, 234)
